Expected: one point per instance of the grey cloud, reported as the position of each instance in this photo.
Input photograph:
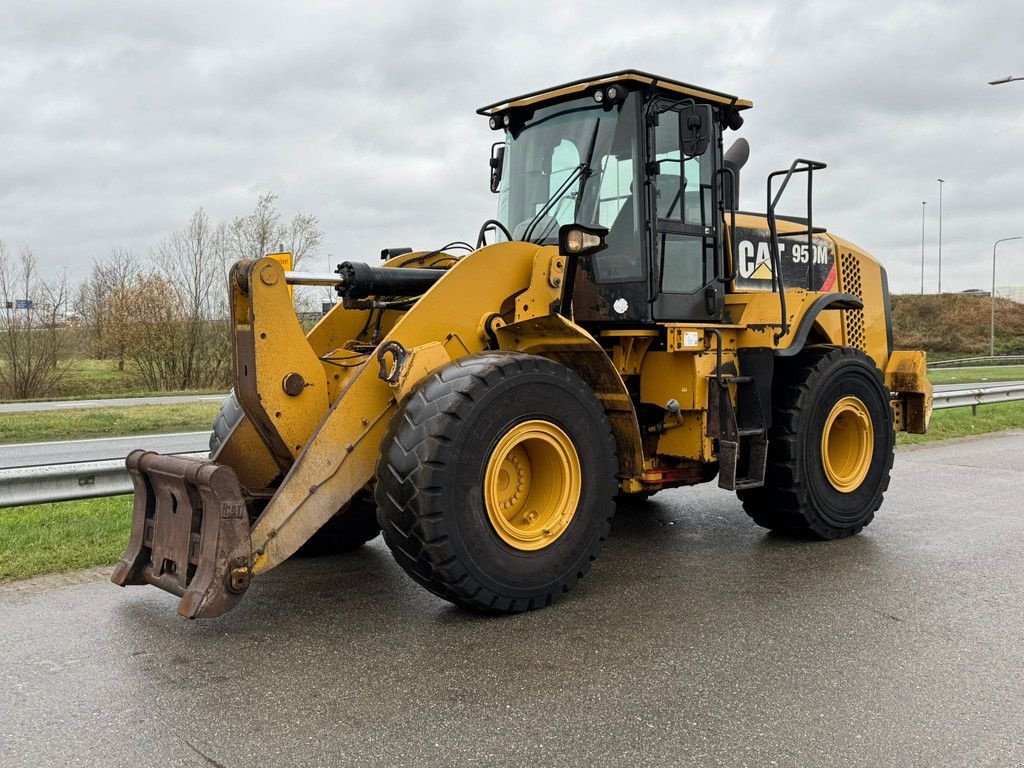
(120, 119)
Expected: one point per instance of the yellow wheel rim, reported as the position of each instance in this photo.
(532, 485)
(847, 444)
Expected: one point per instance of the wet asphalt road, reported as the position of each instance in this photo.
(698, 639)
(100, 448)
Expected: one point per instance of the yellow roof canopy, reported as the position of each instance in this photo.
(626, 75)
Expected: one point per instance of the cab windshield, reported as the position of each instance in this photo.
(580, 155)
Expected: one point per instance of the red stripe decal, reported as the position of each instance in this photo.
(830, 281)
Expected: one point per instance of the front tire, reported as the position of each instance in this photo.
(347, 531)
(496, 482)
(229, 415)
(830, 450)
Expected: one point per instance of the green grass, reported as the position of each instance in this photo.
(92, 379)
(61, 537)
(89, 378)
(79, 423)
(976, 375)
(960, 422)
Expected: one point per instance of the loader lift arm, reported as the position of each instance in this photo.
(320, 430)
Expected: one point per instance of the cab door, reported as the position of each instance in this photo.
(685, 220)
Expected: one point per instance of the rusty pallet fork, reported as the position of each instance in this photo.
(192, 526)
(190, 533)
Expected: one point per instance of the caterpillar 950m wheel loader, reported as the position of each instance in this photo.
(630, 330)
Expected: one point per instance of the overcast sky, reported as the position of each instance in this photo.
(118, 119)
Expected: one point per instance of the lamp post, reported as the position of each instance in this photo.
(923, 204)
(992, 343)
(941, 182)
(1007, 79)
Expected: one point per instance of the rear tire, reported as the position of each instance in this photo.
(830, 449)
(496, 482)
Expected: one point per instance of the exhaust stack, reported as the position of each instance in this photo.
(735, 158)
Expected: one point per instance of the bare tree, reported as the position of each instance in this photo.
(194, 263)
(303, 237)
(34, 348)
(157, 334)
(92, 303)
(255, 235)
(263, 232)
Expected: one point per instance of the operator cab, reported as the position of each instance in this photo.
(637, 156)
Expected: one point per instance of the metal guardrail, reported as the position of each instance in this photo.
(92, 479)
(20, 486)
(994, 360)
(975, 396)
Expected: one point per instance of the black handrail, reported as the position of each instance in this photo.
(800, 165)
(730, 269)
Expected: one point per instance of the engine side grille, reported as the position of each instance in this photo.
(853, 319)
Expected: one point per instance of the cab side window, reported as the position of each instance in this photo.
(683, 196)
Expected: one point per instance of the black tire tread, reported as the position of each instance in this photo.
(412, 466)
(783, 504)
(345, 532)
(230, 414)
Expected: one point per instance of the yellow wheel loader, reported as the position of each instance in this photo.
(626, 330)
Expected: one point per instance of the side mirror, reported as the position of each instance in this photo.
(497, 162)
(695, 122)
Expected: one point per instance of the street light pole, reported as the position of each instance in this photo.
(992, 342)
(941, 181)
(923, 204)
(1007, 79)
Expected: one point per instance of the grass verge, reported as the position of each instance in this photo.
(69, 535)
(960, 422)
(977, 375)
(79, 423)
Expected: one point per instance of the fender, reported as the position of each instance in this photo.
(828, 301)
(558, 338)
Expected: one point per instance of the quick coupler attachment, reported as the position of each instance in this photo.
(190, 533)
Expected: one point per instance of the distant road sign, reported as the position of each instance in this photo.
(23, 303)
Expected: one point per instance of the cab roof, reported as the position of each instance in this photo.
(627, 75)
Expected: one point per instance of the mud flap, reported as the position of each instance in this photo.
(190, 533)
